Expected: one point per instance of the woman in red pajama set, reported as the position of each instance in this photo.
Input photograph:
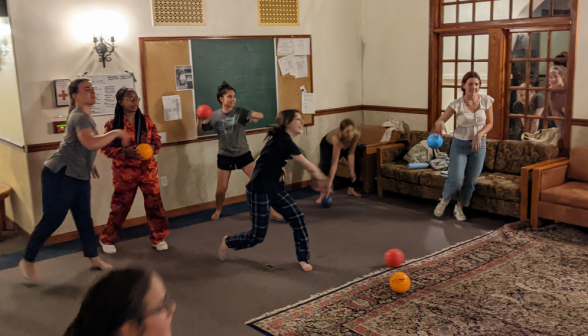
(130, 172)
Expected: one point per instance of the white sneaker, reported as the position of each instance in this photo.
(458, 213)
(161, 246)
(107, 248)
(440, 208)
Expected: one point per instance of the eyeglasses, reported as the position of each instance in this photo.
(132, 100)
(168, 306)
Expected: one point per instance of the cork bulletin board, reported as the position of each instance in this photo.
(159, 56)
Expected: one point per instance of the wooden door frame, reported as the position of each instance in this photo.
(497, 63)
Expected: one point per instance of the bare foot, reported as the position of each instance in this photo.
(222, 250)
(275, 215)
(306, 267)
(28, 270)
(320, 199)
(98, 264)
(352, 192)
(216, 214)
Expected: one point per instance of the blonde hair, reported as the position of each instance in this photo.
(562, 71)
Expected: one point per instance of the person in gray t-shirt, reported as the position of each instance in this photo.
(65, 179)
(229, 122)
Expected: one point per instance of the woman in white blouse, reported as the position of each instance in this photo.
(473, 113)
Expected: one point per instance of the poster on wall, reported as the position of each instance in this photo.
(61, 87)
(184, 80)
(106, 87)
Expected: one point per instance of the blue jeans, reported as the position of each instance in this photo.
(62, 193)
(465, 165)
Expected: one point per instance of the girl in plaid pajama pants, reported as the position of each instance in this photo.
(266, 189)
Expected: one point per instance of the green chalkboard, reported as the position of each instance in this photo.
(248, 65)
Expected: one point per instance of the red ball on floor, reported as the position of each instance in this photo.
(394, 258)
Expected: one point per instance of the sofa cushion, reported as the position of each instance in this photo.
(577, 169)
(573, 194)
(399, 171)
(499, 186)
(512, 155)
(489, 184)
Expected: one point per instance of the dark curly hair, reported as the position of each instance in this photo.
(119, 117)
(223, 89)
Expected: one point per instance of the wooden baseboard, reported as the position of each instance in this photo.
(409, 110)
(580, 122)
(64, 237)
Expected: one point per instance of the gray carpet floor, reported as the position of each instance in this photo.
(217, 298)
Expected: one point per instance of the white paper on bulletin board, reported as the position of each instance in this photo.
(106, 87)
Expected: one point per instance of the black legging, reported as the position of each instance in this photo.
(327, 158)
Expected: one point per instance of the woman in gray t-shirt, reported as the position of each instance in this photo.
(65, 179)
(229, 124)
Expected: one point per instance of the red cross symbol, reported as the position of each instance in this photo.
(62, 95)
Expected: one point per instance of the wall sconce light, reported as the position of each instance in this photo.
(104, 49)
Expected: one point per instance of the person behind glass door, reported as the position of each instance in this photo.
(65, 179)
(474, 119)
(558, 97)
(536, 106)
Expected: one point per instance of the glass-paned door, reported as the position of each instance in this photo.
(460, 55)
(537, 82)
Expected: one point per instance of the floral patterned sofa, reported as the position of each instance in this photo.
(502, 188)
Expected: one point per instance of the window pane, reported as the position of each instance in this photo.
(518, 71)
(483, 91)
(520, 9)
(516, 127)
(447, 96)
(481, 44)
(561, 7)
(466, 12)
(448, 73)
(539, 45)
(541, 8)
(501, 8)
(464, 43)
(538, 74)
(449, 47)
(449, 13)
(520, 45)
(482, 69)
(560, 42)
(483, 11)
(462, 69)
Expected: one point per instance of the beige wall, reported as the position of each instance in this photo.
(396, 53)
(334, 25)
(190, 169)
(416, 122)
(10, 121)
(14, 172)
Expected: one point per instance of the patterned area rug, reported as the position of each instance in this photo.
(512, 281)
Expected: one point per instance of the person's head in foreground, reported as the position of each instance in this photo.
(128, 302)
